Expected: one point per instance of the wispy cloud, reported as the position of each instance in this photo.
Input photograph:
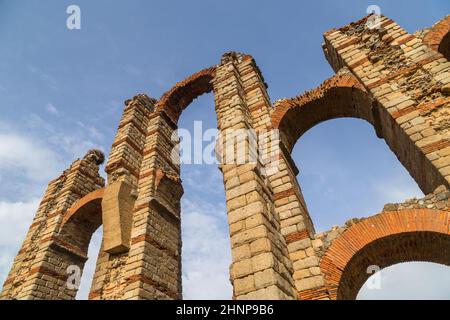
(72, 143)
(396, 189)
(206, 251)
(209, 176)
(21, 153)
(50, 108)
(45, 77)
(15, 218)
(26, 165)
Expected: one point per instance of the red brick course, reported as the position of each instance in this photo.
(414, 223)
(437, 37)
(174, 101)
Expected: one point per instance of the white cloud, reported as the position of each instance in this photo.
(26, 165)
(91, 131)
(50, 107)
(73, 143)
(35, 122)
(413, 280)
(206, 252)
(43, 76)
(15, 219)
(396, 189)
(26, 157)
(209, 175)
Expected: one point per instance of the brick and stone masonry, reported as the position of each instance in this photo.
(398, 82)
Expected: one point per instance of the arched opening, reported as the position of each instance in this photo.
(438, 37)
(79, 237)
(381, 241)
(347, 172)
(444, 46)
(343, 96)
(408, 281)
(390, 250)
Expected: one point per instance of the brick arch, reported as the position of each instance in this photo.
(338, 97)
(81, 221)
(438, 37)
(343, 96)
(384, 240)
(174, 101)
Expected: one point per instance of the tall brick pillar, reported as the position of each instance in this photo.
(40, 268)
(260, 267)
(146, 263)
(154, 265)
(123, 170)
(294, 221)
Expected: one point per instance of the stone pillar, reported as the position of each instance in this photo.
(260, 267)
(40, 268)
(126, 153)
(153, 269)
(120, 199)
(410, 85)
(295, 224)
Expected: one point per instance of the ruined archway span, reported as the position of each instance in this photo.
(338, 97)
(85, 205)
(384, 240)
(174, 101)
(438, 37)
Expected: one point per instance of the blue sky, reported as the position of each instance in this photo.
(62, 92)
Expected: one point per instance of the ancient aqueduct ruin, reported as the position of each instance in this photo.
(398, 82)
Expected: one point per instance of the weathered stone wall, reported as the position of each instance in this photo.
(400, 83)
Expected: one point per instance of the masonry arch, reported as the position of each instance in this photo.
(81, 221)
(343, 96)
(72, 241)
(384, 240)
(438, 37)
(338, 97)
(180, 96)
